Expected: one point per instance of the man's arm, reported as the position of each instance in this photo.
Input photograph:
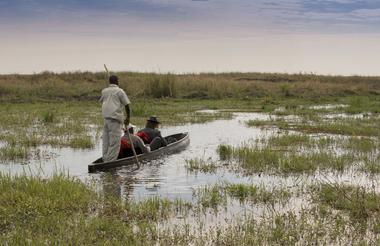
(125, 101)
(142, 146)
(164, 143)
(128, 111)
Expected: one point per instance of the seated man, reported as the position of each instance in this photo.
(151, 135)
(126, 147)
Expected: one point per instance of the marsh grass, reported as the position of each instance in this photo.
(201, 165)
(295, 228)
(286, 154)
(361, 145)
(343, 126)
(11, 152)
(63, 113)
(79, 125)
(289, 140)
(61, 210)
(217, 195)
(87, 86)
(362, 104)
(371, 165)
(257, 194)
(358, 202)
(48, 116)
(33, 205)
(258, 123)
(211, 196)
(350, 127)
(224, 151)
(82, 142)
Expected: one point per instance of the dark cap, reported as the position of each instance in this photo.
(113, 79)
(153, 119)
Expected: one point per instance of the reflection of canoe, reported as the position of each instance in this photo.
(182, 140)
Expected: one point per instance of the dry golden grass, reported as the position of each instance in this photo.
(87, 86)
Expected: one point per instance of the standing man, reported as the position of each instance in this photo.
(115, 111)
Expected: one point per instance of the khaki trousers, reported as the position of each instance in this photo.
(111, 139)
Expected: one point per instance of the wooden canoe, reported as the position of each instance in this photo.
(182, 141)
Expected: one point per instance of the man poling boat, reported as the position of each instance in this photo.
(116, 112)
(125, 150)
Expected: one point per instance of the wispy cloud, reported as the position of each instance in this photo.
(191, 35)
(276, 15)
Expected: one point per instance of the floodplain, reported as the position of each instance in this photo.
(261, 169)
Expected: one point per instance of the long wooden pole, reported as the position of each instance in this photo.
(126, 128)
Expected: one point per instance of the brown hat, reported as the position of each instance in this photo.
(153, 119)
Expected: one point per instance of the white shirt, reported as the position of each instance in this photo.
(114, 100)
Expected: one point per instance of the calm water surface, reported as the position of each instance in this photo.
(168, 177)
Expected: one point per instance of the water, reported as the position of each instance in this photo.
(165, 177)
(168, 177)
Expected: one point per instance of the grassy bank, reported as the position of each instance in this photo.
(87, 86)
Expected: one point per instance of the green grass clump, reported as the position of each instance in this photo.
(254, 158)
(289, 140)
(211, 196)
(12, 152)
(350, 127)
(199, 164)
(258, 123)
(371, 165)
(360, 144)
(362, 105)
(36, 206)
(48, 117)
(82, 142)
(151, 209)
(224, 151)
(294, 228)
(358, 202)
(342, 126)
(216, 196)
(257, 194)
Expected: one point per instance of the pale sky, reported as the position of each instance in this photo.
(182, 36)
